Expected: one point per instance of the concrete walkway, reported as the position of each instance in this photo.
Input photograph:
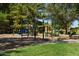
(72, 41)
(19, 36)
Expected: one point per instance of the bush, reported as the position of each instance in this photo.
(69, 33)
(73, 33)
(61, 32)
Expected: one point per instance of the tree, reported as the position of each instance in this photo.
(4, 7)
(4, 23)
(18, 12)
(63, 14)
(77, 12)
(16, 15)
(42, 15)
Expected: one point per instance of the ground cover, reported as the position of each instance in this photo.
(50, 49)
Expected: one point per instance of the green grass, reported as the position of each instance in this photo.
(59, 49)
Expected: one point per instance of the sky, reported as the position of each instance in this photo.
(74, 24)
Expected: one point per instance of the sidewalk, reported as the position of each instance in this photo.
(17, 36)
(10, 36)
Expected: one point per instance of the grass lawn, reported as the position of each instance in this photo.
(59, 49)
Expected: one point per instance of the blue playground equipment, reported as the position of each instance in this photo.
(23, 31)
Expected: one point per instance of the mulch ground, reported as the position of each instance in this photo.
(10, 41)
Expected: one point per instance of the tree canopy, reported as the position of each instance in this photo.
(61, 15)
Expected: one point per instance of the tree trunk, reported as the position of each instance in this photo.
(47, 31)
(66, 31)
(35, 33)
(34, 30)
(28, 32)
(43, 29)
(43, 32)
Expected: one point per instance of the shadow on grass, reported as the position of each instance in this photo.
(7, 53)
(7, 44)
(3, 54)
